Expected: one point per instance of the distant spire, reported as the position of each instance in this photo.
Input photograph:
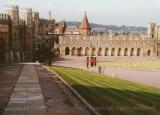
(85, 23)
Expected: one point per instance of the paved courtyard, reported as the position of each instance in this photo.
(148, 77)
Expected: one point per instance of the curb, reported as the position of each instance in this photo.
(90, 107)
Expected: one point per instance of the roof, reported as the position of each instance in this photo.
(85, 24)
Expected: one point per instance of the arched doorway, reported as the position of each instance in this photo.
(139, 52)
(149, 53)
(132, 52)
(126, 52)
(79, 51)
(100, 51)
(119, 52)
(93, 51)
(73, 51)
(113, 52)
(87, 51)
(107, 52)
(67, 51)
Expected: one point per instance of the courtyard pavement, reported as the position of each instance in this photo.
(27, 97)
(145, 77)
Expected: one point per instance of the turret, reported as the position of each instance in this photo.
(85, 28)
(152, 30)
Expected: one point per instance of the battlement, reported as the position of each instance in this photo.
(36, 14)
(12, 7)
(4, 18)
(28, 10)
(105, 37)
(22, 22)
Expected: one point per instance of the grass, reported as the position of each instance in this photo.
(111, 94)
(141, 65)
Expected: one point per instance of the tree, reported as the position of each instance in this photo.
(45, 54)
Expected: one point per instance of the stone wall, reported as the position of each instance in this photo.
(105, 46)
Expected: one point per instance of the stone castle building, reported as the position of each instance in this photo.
(22, 31)
(79, 41)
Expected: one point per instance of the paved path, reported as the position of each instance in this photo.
(27, 97)
(150, 78)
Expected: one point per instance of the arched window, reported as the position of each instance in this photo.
(113, 52)
(139, 52)
(126, 52)
(87, 51)
(67, 51)
(73, 51)
(119, 52)
(132, 52)
(107, 52)
(100, 51)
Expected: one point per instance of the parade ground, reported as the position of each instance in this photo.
(145, 71)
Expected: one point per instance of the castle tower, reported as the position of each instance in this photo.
(84, 27)
(152, 30)
(27, 15)
(13, 12)
(49, 15)
(36, 23)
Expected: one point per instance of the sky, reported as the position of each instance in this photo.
(109, 12)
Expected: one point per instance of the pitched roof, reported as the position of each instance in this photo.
(85, 24)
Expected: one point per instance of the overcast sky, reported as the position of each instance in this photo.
(116, 12)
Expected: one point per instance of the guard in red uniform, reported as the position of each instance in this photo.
(91, 61)
(87, 62)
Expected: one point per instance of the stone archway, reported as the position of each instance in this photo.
(106, 53)
(149, 53)
(93, 51)
(73, 51)
(67, 51)
(87, 51)
(139, 52)
(132, 52)
(119, 52)
(113, 52)
(100, 51)
(126, 52)
(79, 51)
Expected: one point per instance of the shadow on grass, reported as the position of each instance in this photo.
(110, 101)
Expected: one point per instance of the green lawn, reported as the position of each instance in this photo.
(141, 65)
(108, 92)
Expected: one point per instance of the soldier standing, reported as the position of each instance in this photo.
(87, 62)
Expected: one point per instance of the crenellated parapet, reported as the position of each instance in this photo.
(4, 18)
(22, 22)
